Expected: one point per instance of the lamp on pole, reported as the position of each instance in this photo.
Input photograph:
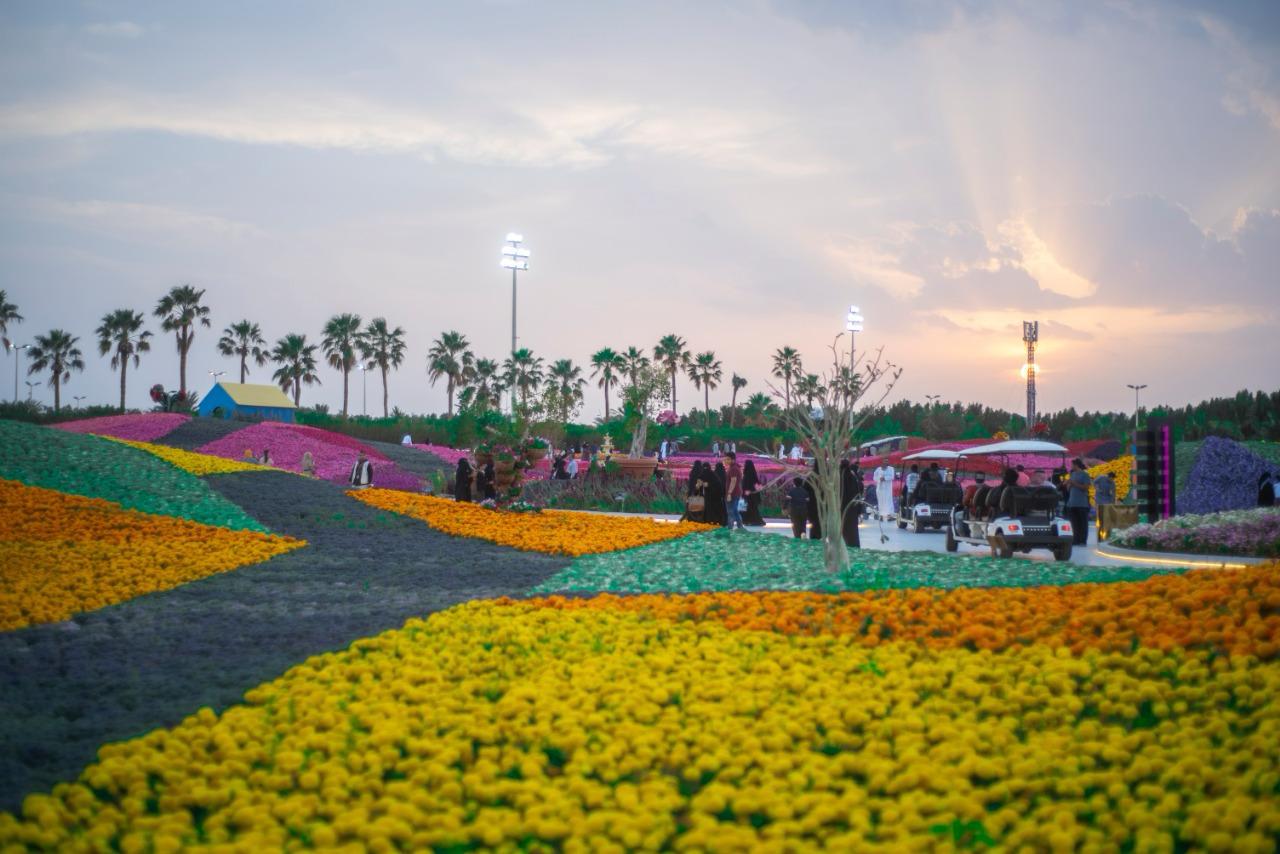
(364, 388)
(77, 398)
(514, 258)
(933, 398)
(853, 325)
(216, 374)
(16, 360)
(31, 387)
(1136, 407)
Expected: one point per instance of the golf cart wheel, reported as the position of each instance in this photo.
(1062, 552)
(999, 548)
(901, 524)
(952, 545)
(915, 525)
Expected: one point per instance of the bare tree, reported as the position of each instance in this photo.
(830, 428)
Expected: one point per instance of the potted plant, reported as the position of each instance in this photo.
(484, 453)
(535, 449)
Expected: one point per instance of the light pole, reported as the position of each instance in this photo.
(364, 388)
(16, 359)
(515, 259)
(31, 387)
(933, 398)
(216, 374)
(77, 398)
(1136, 407)
(853, 325)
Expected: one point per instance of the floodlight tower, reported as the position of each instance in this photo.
(515, 259)
(1031, 334)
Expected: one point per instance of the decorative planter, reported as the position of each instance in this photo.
(535, 454)
(637, 468)
(483, 458)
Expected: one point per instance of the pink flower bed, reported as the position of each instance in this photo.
(334, 453)
(448, 455)
(138, 427)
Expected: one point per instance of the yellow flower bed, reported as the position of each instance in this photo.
(561, 532)
(514, 726)
(189, 461)
(1120, 469)
(63, 554)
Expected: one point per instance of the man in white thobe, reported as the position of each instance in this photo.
(883, 479)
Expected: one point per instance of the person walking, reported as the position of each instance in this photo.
(1078, 483)
(462, 480)
(751, 486)
(883, 479)
(1104, 495)
(850, 503)
(733, 493)
(797, 501)
(362, 472)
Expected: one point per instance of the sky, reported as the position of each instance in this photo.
(734, 173)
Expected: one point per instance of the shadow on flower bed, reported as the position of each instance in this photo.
(625, 495)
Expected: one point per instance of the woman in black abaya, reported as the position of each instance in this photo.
(751, 486)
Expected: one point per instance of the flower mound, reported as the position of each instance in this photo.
(731, 723)
(64, 554)
(99, 468)
(144, 427)
(1224, 477)
(1121, 471)
(191, 462)
(559, 532)
(444, 453)
(333, 453)
(1253, 533)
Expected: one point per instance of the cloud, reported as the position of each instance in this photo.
(115, 29)
(134, 217)
(1035, 256)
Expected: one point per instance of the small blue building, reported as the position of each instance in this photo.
(246, 400)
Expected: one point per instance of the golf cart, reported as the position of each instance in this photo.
(930, 503)
(1011, 518)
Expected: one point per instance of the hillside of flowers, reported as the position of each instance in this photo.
(189, 461)
(1124, 716)
(64, 554)
(101, 468)
(1248, 533)
(137, 427)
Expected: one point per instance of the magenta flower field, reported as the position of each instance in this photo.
(137, 427)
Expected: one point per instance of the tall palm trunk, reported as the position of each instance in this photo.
(786, 382)
(673, 388)
(345, 375)
(297, 390)
(384, 391)
(57, 392)
(244, 369)
(183, 344)
(606, 399)
(449, 391)
(124, 368)
(706, 401)
(733, 408)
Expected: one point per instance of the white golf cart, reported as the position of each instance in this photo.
(1011, 518)
(929, 505)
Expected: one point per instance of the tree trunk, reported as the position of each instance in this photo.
(786, 384)
(183, 344)
(243, 367)
(57, 392)
(346, 373)
(124, 367)
(606, 398)
(449, 391)
(297, 390)
(733, 408)
(384, 390)
(673, 388)
(706, 401)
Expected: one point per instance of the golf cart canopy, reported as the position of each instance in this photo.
(932, 454)
(1017, 446)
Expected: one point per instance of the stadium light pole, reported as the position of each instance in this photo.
(853, 325)
(364, 388)
(17, 358)
(514, 258)
(1136, 390)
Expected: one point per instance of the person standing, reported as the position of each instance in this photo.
(362, 472)
(462, 480)
(850, 503)
(751, 485)
(909, 484)
(662, 451)
(883, 479)
(797, 502)
(308, 464)
(490, 483)
(1078, 484)
(713, 492)
(733, 493)
(1104, 495)
(715, 448)
(571, 470)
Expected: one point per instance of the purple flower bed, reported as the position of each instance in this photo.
(138, 427)
(1251, 533)
(1223, 477)
(333, 453)
(449, 455)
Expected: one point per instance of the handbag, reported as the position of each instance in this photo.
(695, 503)
(742, 505)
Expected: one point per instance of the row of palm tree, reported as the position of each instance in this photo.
(347, 343)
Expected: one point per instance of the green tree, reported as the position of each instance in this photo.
(484, 386)
(450, 357)
(786, 366)
(8, 314)
(673, 355)
(58, 354)
(808, 387)
(297, 361)
(566, 382)
(633, 362)
(607, 364)
(759, 408)
(704, 370)
(522, 371)
(180, 311)
(738, 384)
(339, 341)
(121, 334)
(382, 346)
(244, 340)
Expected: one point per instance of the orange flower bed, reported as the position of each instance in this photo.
(1230, 611)
(63, 554)
(561, 532)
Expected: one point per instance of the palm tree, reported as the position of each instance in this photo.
(607, 364)
(382, 347)
(297, 361)
(705, 372)
(523, 371)
(244, 339)
(566, 378)
(486, 380)
(757, 407)
(8, 314)
(179, 312)
(810, 386)
(339, 343)
(786, 364)
(738, 384)
(633, 361)
(450, 357)
(122, 335)
(671, 353)
(58, 354)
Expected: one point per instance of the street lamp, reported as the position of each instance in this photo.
(216, 374)
(853, 325)
(933, 398)
(30, 388)
(364, 387)
(515, 259)
(77, 398)
(1136, 389)
(15, 348)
